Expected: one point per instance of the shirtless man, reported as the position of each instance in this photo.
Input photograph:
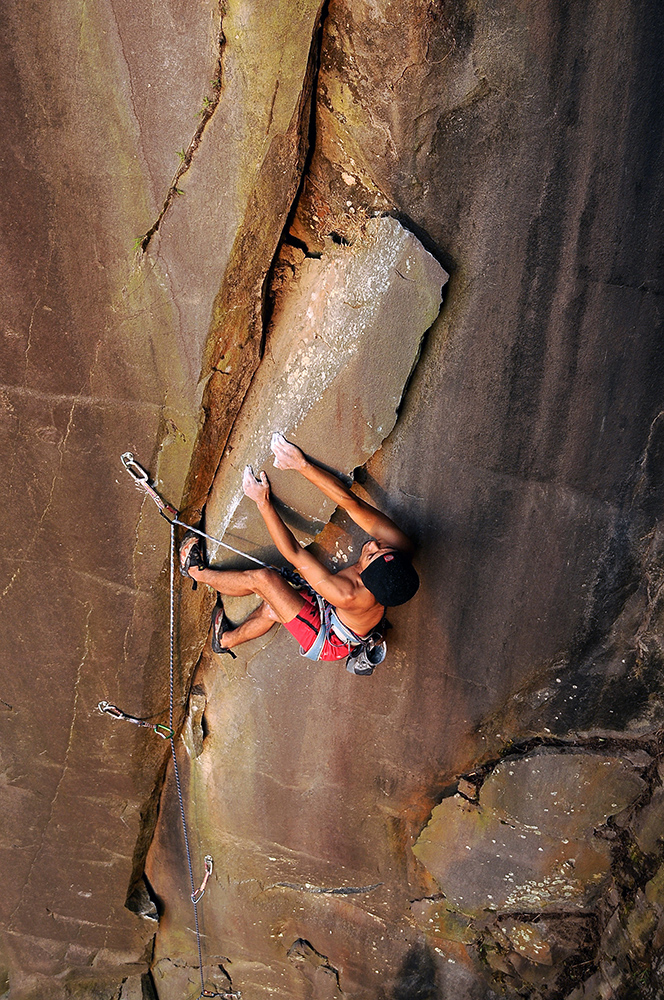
(382, 577)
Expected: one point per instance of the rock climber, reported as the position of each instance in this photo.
(348, 605)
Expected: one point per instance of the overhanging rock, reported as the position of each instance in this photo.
(344, 339)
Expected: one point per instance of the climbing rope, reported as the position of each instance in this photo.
(172, 515)
(196, 894)
(169, 512)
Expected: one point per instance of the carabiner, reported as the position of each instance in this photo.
(136, 471)
(142, 482)
(209, 864)
(165, 732)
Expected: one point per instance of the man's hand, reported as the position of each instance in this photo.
(257, 490)
(287, 455)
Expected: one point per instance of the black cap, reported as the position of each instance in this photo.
(391, 578)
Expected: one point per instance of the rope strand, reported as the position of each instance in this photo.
(141, 479)
(171, 684)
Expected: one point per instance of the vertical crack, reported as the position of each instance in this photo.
(243, 306)
(210, 105)
(65, 765)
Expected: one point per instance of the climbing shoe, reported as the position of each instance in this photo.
(220, 624)
(190, 555)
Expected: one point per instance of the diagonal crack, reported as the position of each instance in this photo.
(210, 105)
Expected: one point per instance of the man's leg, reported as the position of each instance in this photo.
(257, 624)
(284, 602)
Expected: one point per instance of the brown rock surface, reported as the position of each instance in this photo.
(342, 345)
(529, 844)
(521, 144)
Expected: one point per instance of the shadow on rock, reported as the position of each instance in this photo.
(416, 979)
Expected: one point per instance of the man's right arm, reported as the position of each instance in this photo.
(335, 589)
(373, 521)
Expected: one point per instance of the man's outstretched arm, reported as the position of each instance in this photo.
(373, 521)
(334, 589)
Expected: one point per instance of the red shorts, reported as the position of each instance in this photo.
(305, 627)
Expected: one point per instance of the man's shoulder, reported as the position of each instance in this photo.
(360, 601)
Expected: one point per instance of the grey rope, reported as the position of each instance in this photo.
(169, 512)
(171, 672)
(238, 552)
(141, 479)
(172, 515)
(195, 893)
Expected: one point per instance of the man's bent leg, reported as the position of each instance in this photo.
(266, 583)
(257, 624)
(232, 583)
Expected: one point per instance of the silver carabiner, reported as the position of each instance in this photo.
(209, 863)
(136, 471)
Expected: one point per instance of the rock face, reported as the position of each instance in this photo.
(529, 843)
(342, 345)
(171, 176)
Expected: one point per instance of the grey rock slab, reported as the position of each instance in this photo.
(138, 988)
(640, 924)
(527, 940)
(342, 346)
(654, 889)
(483, 863)
(529, 843)
(437, 921)
(563, 795)
(648, 826)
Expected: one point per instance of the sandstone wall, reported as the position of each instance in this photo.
(167, 180)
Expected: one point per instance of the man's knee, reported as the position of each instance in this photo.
(265, 580)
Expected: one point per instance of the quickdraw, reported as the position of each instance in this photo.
(159, 728)
(142, 481)
(209, 864)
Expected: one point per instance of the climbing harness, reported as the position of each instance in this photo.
(169, 512)
(367, 651)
